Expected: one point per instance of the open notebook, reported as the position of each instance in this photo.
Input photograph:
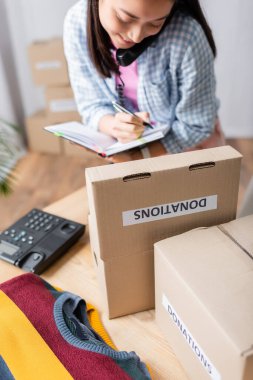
(101, 143)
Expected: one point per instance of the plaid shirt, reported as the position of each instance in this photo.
(176, 81)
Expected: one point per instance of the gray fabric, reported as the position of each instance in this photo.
(73, 324)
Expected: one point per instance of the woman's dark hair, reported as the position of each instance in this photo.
(99, 42)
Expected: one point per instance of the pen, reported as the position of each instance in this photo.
(119, 108)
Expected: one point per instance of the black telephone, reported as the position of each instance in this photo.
(37, 239)
(127, 56)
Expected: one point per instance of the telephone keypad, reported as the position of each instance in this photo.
(37, 239)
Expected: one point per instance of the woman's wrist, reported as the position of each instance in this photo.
(106, 124)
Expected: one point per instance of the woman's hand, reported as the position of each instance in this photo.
(127, 127)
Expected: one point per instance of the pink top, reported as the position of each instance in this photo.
(129, 75)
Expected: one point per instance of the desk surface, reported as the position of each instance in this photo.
(75, 272)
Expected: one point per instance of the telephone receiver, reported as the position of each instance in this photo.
(127, 56)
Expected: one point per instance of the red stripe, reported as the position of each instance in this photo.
(29, 293)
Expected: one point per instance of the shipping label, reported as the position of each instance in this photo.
(169, 210)
(48, 65)
(193, 344)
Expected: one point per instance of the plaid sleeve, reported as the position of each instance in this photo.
(196, 109)
(91, 102)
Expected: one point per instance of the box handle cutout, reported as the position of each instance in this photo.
(202, 165)
(134, 177)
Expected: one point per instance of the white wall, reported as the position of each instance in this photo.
(233, 30)
(9, 89)
(231, 22)
(6, 106)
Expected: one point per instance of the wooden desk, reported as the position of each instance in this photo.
(75, 272)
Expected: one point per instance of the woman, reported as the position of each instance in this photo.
(172, 81)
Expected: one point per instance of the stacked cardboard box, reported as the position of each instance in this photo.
(48, 64)
(135, 204)
(203, 277)
(204, 299)
(38, 139)
(49, 69)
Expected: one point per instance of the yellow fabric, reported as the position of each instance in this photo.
(23, 349)
(97, 325)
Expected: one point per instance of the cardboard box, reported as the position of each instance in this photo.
(38, 139)
(204, 299)
(135, 204)
(73, 150)
(61, 105)
(48, 63)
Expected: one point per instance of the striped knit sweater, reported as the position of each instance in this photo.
(49, 334)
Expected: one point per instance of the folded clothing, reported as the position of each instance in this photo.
(47, 333)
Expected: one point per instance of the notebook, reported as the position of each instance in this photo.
(100, 142)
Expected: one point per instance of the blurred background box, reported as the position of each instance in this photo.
(38, 139)
(73, 150)
(61, 105)
(48, 63)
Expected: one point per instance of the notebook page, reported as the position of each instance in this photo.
(149, 135)
(82, 135)
(100, 142)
